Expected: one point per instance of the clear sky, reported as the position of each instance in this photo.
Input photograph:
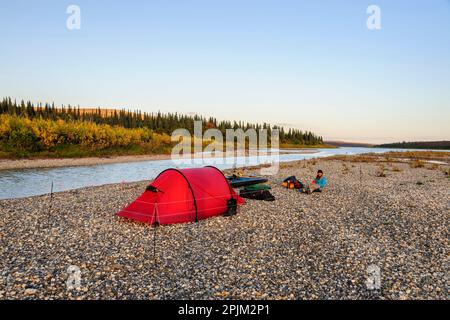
(312, 65)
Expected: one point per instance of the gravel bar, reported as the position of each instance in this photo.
(319, 246)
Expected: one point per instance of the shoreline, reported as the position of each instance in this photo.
(9, 164)
(436, 156)
(18, 164)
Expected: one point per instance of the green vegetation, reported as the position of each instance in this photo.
(306, 146)
(28, 130)
(440, 145)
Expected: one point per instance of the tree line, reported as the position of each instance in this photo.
(163, 123)
(444, 145)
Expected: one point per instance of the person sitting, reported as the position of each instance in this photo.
(318, 183)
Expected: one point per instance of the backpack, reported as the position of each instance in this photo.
(232, 207)
(292, 183)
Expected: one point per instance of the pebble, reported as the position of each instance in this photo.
(30, 292)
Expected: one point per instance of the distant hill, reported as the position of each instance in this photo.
(348, 144)
(444, 145)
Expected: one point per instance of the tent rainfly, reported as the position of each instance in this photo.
(184, 195)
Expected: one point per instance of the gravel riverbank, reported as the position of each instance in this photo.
(298, 247)
(9, 164)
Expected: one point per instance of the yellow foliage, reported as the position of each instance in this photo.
(41, 134)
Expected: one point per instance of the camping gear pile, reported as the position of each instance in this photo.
(251, 187)
(237, 182)
(257, 192)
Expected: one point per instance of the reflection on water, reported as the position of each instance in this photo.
(31, 182)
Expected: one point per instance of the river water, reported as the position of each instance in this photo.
(31, 182)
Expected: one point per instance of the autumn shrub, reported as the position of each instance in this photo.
(381, 172)
(417, 163)
(34, 135)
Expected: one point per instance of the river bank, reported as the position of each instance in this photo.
(298, 247)
(17, 164)
(8, 164)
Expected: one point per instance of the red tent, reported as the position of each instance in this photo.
(186, 195)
